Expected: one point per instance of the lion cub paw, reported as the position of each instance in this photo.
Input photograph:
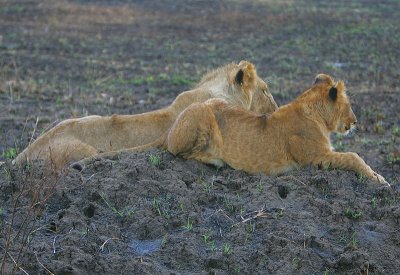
(380, 179)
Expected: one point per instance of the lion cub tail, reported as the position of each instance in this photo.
(160, 143)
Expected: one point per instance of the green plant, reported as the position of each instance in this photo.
(352, 214)
(378, 128)
(339, 145)
(326, 192)
(206, 187)
(361, 177)
(392, 158)
(246, 239)
(84, 232)
(155, 160)
(8, 173)
(138, 81)
(189, 225)
(206, 237)
(10, 153)
(125, 212)
(349, 241)
(343, 239)
(178, 79)
(150, 79)
(296, 262)
(374, 202)
(212, 245)
(353, 240)
(260, 186)
(396, 130)
(156, 206)
(227, 249)
(59, 101)
(250, 227)
(241, 211)
(327, 167)
(228, 205)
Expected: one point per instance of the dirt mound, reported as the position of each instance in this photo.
(152, 213)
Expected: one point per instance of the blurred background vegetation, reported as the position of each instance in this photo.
(61, 59)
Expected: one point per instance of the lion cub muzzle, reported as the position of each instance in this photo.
(347, 122)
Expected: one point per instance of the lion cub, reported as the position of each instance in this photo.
(74, 139)
(294, 136)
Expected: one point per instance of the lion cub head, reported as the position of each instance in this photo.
(330, 101)
(252, 89)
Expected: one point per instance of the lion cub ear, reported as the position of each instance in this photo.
(333, 93)
(337, 89)
(323, 78)
(246, 76)
(239, 77)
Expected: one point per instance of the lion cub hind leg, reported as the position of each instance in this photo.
(70, 152)
(113, 155)
(196, 135)
(351, 161)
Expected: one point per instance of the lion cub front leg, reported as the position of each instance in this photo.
(351, 161)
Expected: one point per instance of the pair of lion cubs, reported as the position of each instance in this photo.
(222, 120)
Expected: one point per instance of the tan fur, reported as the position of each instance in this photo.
(74, 139)
(294, 136)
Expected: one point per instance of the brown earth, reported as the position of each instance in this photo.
(153, 213)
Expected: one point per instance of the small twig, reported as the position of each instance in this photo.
(101, 80)
(293, 178)
(54, 245)
(89, 178)
(43, 265)
(15, 263)
(223, 212)
(258, 214)
(39, 228)
(102, 246)
(50, 125)
(23, 131)
(34, 130)
(11, 93)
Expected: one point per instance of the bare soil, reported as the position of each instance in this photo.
(153, 213)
